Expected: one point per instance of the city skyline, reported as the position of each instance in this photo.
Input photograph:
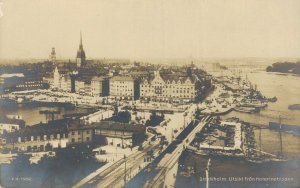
(156, 29)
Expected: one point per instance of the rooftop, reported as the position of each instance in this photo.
(53, 127)
(122, 78)
(110, 125)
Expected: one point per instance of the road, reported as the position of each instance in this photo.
(114, 175)
(171, 159)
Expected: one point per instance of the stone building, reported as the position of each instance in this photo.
(175, 87)
(124, 87)
(100, 86)
(40, 137)
(64, 133)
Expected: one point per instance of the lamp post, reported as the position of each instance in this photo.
(125, 170)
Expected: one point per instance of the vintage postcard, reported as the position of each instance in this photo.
(149, 94)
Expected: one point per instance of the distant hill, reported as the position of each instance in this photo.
(285, 67)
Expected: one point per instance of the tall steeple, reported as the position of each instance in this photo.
(81, 46)
(52, 56)
(80, 58)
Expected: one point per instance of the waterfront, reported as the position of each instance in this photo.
(30, 111)
(286, 88)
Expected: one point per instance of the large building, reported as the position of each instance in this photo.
(114, 133)
(169, 87)
(18, 82)
(100, 86)
(83, 86)
(61, 80)
(62, 133)
(40, 137)
(80, 57)
(124, 87)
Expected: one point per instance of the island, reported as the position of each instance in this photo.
(285, 67)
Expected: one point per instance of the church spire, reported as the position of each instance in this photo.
(81, 46)
(80, 38)
(80, 58)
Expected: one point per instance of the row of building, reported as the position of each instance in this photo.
(18, 82)
(151, 86)
(175, 85)
(64, 133)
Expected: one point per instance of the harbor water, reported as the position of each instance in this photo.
(233, 172)
(287, 90)
(30, 111)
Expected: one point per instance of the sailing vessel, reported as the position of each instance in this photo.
(264, 157)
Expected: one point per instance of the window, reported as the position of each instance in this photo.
(73, 133)
(73, 140)
(87, 132)
(87, 138)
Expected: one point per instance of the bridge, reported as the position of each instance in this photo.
(168, 161)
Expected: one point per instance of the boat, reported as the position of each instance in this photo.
(295, 129)
(274, 99)
(294, 107)
(20, 100)
(254, 104)
(265, 160)
(246, 109)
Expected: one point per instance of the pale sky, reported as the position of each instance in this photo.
(150, 28)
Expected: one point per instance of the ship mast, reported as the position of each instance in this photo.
(260, 141)
(280, 138)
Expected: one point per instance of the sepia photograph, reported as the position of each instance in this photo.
(149, 94)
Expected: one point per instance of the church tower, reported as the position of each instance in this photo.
(52, 56)
(80, 58)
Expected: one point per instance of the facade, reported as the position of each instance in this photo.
(17, 82)
(31, 85)
(169, 87)
(121, 86)
(83, 87)
(40, 137)
(120, 134)
(65, 83)
(62, 80)
(63, 133)
(100, 86)
(79, 86)
(79, 135)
